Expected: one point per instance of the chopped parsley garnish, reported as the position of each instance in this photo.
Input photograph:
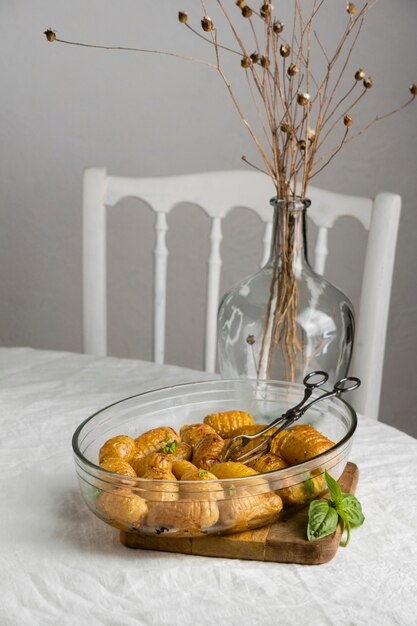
(169, 448)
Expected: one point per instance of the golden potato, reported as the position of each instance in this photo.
(195, 511)
(120, 447)
(182, 517)
(122, 506)
(182, 452)
(224, 423)
(300, 443)
(296, 494)
(196, 473)
(156, 440)
(232, 469)
(268, 463)
(192, 433)
(158, 474)
(208, 451)
(118, 466)
(180, 467)
(155, 460)
(210, 490)
(275, 443)
(243, 513)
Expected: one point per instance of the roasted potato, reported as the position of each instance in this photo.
(208, 451)
(192, 517)
(118, 466)
(153, 461)
(180, 467)
(300, 443)
(228, 421)
(243, 513)
(192, 433)
(156, 440)
(120, 447)
(123, 507)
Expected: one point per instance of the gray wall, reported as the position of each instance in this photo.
(65, 108)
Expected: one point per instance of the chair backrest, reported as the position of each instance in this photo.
(217, 193)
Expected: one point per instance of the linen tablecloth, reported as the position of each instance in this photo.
(61, 565)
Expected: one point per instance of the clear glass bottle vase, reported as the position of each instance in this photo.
(285, 320)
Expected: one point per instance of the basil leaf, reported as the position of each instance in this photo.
(350, 509)
(333, 487)
(345, 525)
(322, 520)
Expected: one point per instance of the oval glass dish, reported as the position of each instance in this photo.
(200, 507)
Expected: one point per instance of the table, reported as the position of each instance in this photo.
(60, 565)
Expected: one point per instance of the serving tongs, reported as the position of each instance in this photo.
(285, 420)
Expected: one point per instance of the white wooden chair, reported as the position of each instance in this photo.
(217, 193)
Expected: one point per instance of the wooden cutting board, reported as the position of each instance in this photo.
(282, 542)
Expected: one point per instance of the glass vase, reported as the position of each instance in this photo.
(285, 320)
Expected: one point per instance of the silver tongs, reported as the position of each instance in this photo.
(285, 420)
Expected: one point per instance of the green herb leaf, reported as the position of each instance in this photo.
(169, 448)
(322, 520)
(202, 474)
(334, 488)
(345, 525)
(350, 510)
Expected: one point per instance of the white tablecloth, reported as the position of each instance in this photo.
(60, 565)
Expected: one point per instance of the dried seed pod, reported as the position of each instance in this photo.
(240, 3)
(50, 34)
(246, 62)
(360, 74)
(255, 57)
(351, 8)
(368, 82)
(250, 339)
(303, 99)
(285, 50)
(207, 24)
(413, 89)
(247, 11)
(266, 10)
(183, 17)
(347, 121)
(286, 128)
(292, 70)
(277, 27)
(302, 145)
(311, 134)
(265, 62)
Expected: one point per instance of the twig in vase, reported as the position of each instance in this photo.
(298, 111)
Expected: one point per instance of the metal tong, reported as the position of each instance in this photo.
(286, 419)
